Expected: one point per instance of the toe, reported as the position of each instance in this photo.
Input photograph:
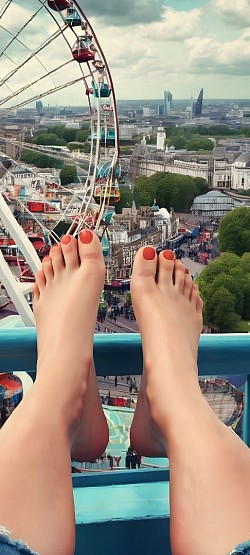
(57, 259)
(40, 280)
(70, 252)
(47, 268)
(165, 269)
(194, 294)
(90, 250)
(188, 284)
(199, 304)
(36, 292)
(179, 276)
(144, 269)
(89, 246)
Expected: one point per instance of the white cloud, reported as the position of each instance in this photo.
(175, 25)
(230, 57)
(235, 12)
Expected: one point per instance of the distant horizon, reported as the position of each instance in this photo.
(138, 100)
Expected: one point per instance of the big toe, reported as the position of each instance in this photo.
(144, 270)
(90, 250)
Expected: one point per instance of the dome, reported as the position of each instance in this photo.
(163, 214)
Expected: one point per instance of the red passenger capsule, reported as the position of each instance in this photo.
(84, 50)
(59, 5)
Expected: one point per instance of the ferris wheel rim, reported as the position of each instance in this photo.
(114, 159)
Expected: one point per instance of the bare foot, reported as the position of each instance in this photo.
(66, 298)
(168, 310)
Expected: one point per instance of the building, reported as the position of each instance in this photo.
(214, 205)
(168, 102)
(241, 172)
(198, 106)
(222, 169)
(161, 138)
(150, 111)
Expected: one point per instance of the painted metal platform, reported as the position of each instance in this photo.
(123, 512)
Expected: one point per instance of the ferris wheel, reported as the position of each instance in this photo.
(49, 50)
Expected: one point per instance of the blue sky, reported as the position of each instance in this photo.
(154, 45)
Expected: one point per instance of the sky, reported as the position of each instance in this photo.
(150, 45)
(175, 45)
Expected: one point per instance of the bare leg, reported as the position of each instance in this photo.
(209, 465)
(93, 433)
(35, 479)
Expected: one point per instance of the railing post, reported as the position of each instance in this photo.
(246, 414)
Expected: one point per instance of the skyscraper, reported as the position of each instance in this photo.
(198, 106)
(168, 99)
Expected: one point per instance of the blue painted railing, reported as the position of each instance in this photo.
(122, 354)
(129, 510)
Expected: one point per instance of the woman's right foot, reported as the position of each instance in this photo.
(168, 310)
(66, 298)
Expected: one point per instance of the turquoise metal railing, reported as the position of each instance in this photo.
(121, 354)
(123, 511)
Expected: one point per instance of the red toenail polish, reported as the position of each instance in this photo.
(86, 236)
(149, 253)
(186, 271)
(46, 258)
(66, 240)
(169, 255)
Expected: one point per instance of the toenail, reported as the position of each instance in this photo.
(149, 253)
(169, 255)
(46, 258)
(54, 248)
(86, 236)
(66, 240)
(186, 271)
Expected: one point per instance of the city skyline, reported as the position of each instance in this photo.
(152, 46)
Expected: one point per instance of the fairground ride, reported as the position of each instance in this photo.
(49, 49)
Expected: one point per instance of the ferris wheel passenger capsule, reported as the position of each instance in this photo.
(83, 49)
(108, 137)
(59, 5)
(102, 90)
(73, 18)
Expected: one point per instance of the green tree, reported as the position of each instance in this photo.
(126, 200)
(82, 135)
(40, 160)
(230, 273)
(178, 142)
(68, 174)
(234, 231)
(57, 130)
(49, 139)
(169, 190)
(69, 134)
(198, 143)
(225, 316)
(202, 185)
(176, 191)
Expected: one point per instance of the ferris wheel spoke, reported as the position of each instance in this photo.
(5, 7)
(27, 48)
(33, 54)
(20, 30)
(25, 87)
(42, 95)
